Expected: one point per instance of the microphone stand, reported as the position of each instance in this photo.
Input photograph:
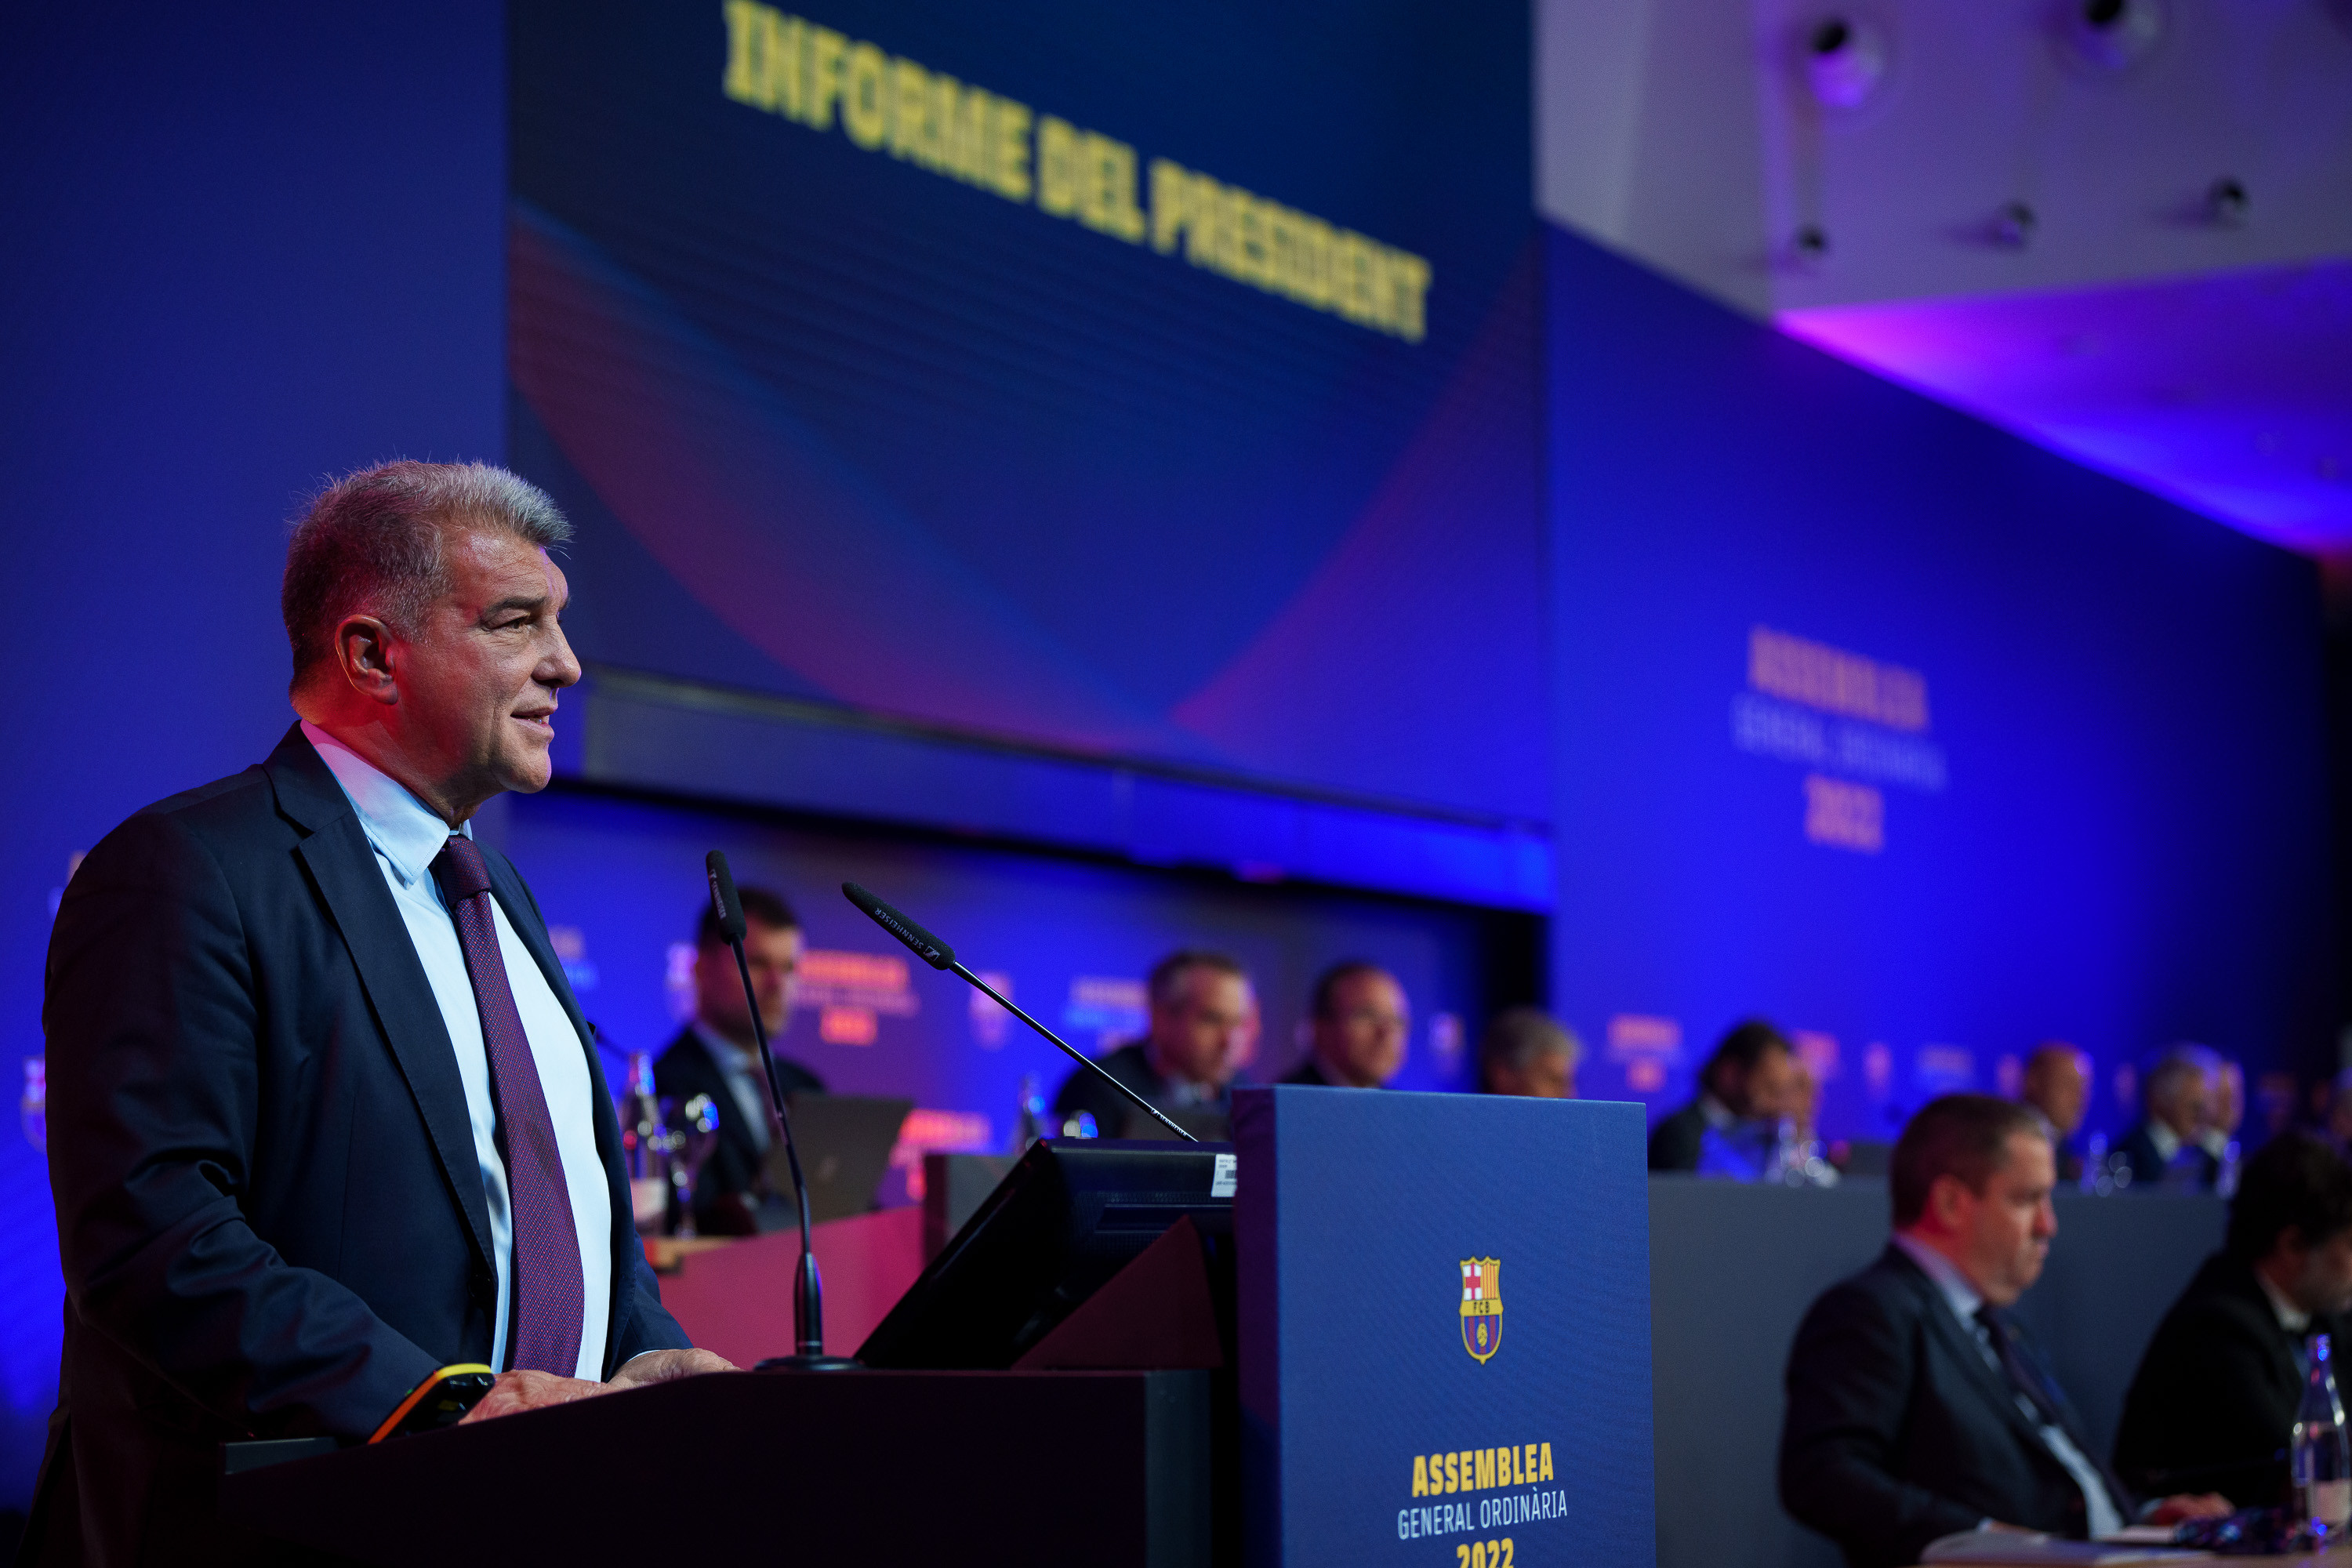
(939, 955)
(808, 1290)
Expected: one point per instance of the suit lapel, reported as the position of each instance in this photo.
(343, 864)
(731, 1128)
(1961, 1342)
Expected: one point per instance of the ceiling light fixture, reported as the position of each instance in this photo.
(2225, 203)
(2113, 35)
(1845, 61)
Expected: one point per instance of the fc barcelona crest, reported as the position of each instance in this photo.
(1481, 1307)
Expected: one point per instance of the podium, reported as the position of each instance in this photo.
(1438, 1316)
(1444, 1330)
(983, 1467)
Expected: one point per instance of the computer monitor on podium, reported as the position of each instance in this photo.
(1070, 1213)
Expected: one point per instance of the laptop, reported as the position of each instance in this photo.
(845, 1141)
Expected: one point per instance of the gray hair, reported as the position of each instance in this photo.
(371, 542)
(1517, 1036)
(2173, 1069)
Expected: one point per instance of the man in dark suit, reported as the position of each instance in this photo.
(325, 1118)
(1748, 1081)
(2056, 1086)
(718, 1053)
(2166, 1152)
(1357, 1023)
(2217, 1390)
(1203, 1028)
(1527, 1051)
(1915, 1408)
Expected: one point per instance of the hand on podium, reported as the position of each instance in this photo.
(516, 1391)
(2190, 1505)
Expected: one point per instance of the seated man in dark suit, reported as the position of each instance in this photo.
(1746, 1087)
(1357, 1019)
(2057, 1088)
(2217, 1391)
(1916, 1409)
(325, 1119)
(2166, 1152)
(1203, 1027)
(1527, 1051)
(718, 1053)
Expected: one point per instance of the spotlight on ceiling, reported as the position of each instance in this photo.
(1845, 61)
(2113, 35)
(2013, 224)
(2225, 203)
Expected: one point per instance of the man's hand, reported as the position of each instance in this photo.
(668, 1366)
(537, 1390)
(530, 1391)
(2191, 1505)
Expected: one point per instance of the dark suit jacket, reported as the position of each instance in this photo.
(2216, 1392)
(1898, 1431)
(1115, 1115)
(1674, 1143)
(728, 1189)
(269, 1212)
(2148, 1167)
(1308, 1072)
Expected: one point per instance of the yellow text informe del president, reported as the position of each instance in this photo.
(886, 103)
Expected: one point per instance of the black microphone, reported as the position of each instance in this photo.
(808, 1290)
(939, 955)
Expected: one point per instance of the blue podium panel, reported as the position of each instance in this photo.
(1445, 1317)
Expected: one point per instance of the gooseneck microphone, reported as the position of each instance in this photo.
(939, 955)
(808, 1290)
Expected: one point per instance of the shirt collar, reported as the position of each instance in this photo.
(1963, 1297)
(403, 829)
(2167, 1141)
(2291, 1318)
(1718, 1114)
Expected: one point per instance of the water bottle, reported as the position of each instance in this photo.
(2323, 1465)
(644, 1147)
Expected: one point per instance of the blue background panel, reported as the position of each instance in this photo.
(2127, 846)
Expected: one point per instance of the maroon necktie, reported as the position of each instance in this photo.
(546, 1270)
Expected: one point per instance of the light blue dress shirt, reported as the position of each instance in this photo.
(1964, 1299)
(406, 836)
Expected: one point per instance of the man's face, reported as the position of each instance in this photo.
(2322, 1284)
(1547, 1074)
(2059, 1086)
(478, 681)
(2187, 1109)
(1206, 1028)
(2229, 1096)
(1771, 1089)
(1363, 1038)
(2003, 1234)
(774, 956)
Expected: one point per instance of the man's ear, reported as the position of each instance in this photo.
(1944, 1200)
(364, 652)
